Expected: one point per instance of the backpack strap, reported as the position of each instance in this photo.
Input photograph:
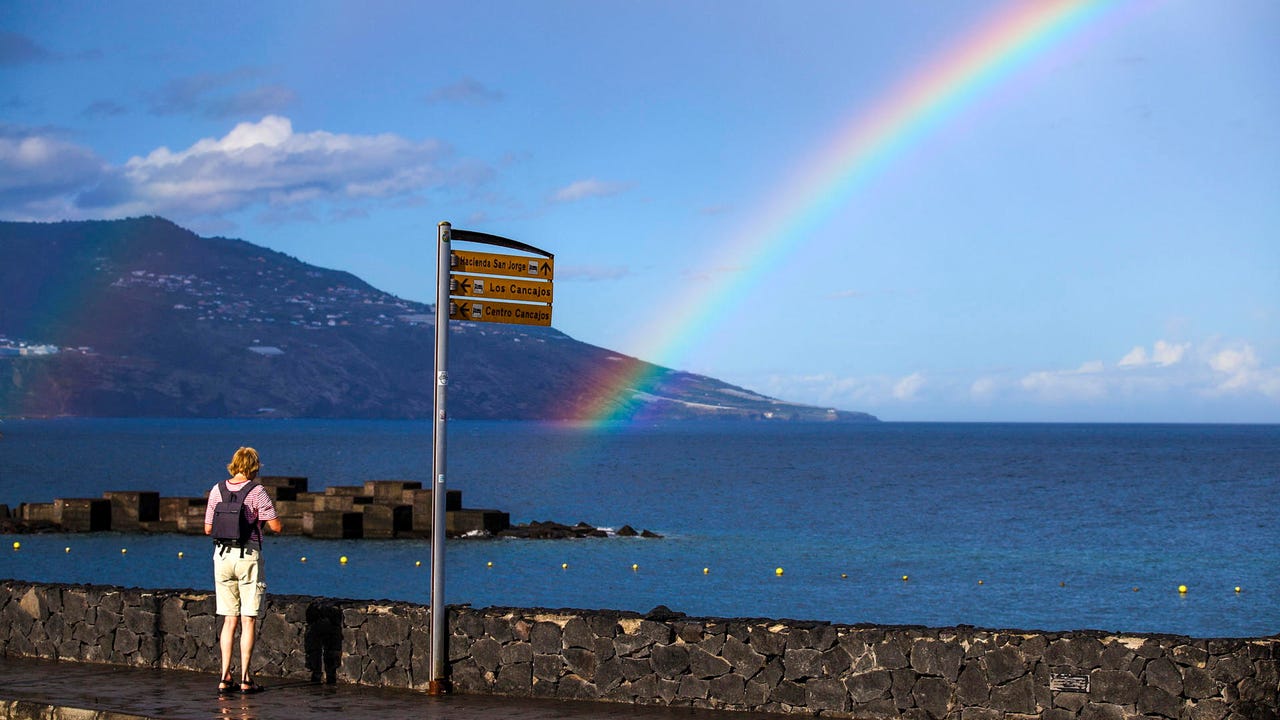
(223, 492)
(248, 488)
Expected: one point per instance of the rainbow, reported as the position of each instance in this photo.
(877, 136)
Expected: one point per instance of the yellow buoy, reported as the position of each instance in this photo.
(1182, 589)
(343, 559)
(777, 571)
(489, 564)
(564, 566)
(979, 582)
(1136, 589)
(124, 550)
(843, 576)
(904, 578)
(417, 563)
(302, 559)
(706, 570)
(179, 553)
(1062, 584)
(634, 567)
(16, 545)
(66, 549)
(1237, 588)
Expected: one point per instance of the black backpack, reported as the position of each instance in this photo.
(230, 526)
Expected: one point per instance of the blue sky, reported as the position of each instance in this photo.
(1096, 237)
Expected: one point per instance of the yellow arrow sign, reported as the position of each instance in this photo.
(499, 288)
(500, 312)
(506, 265)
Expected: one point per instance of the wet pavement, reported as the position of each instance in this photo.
(45, 689)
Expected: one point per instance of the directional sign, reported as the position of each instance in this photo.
(506, 265)
(499, 312)
(499, 288)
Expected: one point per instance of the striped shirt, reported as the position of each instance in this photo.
(257, 507)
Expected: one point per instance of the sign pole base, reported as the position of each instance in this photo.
(439, 687)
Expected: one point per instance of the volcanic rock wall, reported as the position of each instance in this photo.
(665, 658)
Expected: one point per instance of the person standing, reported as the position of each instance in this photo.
(237, 563)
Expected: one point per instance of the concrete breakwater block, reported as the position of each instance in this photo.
(174, 509)
(297, 484)
(130, 507)
(333, 524)
(420, 501)
(385, 490)
(471, 522)
(422, 498)
(386, 521)
(83, 514)
(37, 513)
(291, 514)
(335, 501)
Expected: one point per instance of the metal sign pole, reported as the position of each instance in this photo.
(439, 621)
(438, 684)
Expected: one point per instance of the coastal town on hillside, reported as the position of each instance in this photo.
(277, 297)
(276, 300)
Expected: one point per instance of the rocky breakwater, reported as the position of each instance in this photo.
(376, 509)
(549, 530)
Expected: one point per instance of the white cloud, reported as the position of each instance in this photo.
(1166, 354)
(256, 164)
(1163, 353)
(1239, 371)
(1211, 380)
(1084, 383)
(1136, 357)
(583, 189)
(1234, 361)
(40, 172)
(907, 387)
(984, 388)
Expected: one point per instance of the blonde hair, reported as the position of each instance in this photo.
(244, 461)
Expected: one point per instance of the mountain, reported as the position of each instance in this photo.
(141, 317)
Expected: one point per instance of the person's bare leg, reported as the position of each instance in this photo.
(247, 637)
(227, 642)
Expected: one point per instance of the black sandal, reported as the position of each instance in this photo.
(226, 686)
(249, 687)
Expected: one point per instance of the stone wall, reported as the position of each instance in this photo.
(665, 658)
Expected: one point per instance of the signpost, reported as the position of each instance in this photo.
(500, 312)
(466, 284)
(499, 288)
(506, 265)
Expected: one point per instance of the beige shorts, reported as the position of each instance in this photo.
(238, 582)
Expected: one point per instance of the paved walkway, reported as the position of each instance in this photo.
(29, 688)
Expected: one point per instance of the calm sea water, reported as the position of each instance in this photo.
(1050, 527)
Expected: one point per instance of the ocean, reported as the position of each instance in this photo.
(1007, 526)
